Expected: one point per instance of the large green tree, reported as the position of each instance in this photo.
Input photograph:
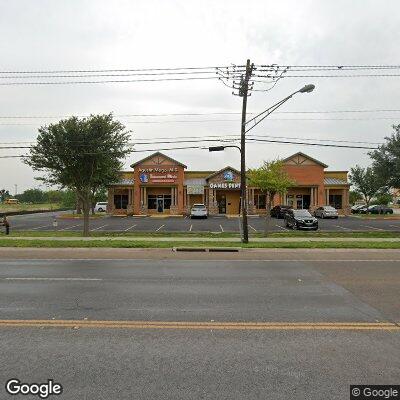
(386, 160)
(365, 181)
(82, 155)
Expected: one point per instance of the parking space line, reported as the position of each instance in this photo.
(222, 229)
(254, 229)
(343, 227)
(395, 226)
(372, 227)
(69, 227)
(159, 228)
(127, 229)
(99, 227)
(282, 227)
(191, 227)
(43, 226)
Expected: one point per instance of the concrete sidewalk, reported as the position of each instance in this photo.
(203, 239)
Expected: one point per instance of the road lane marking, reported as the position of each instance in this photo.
(342, 227)
(222, 229)
(99, 227)
(51, 279)
(160, 227)
(131, 227)
(282, 227)
(70, 227)
(188, 325)
(191, 227)
(254, 229)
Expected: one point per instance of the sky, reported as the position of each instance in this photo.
(95, 34)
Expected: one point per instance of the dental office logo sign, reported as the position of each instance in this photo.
(158, 175)
(229, 177)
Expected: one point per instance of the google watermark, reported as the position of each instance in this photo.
(374, 392)
(42, 390)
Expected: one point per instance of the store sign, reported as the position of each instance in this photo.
(228, 175)
(225, 185)
(195, 189)
(157, 178)
(161, 170)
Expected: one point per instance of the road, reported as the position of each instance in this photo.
(281, 324)
(44, 222)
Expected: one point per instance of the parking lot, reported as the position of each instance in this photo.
(45, 222)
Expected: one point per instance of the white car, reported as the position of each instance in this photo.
(326, 212)
(101, 206)
(198, 211)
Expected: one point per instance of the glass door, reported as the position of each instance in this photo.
(160, 204)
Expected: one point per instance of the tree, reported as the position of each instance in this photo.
(80, 154)
(365, 181)
(100, 195)
(384, 198)
(386, 160)
(271, 179)
(4, 195)
(354, 196)
(35, 196)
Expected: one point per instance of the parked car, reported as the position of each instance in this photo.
(198, 211)
(279, 211)
(362, 210)
(101, 206)
(300, 219)
(380, 209)
(355, 209)
(326, 212)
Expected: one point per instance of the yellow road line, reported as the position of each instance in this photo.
(202, 325)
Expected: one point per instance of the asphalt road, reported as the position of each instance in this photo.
(193, 330)
(44, 222)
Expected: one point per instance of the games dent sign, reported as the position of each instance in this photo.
(228, 181)
(158, 175)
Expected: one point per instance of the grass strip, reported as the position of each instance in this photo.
(169, 244)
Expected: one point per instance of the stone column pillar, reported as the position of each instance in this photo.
(327, 197)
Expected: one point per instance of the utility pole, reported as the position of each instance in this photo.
(243, 92)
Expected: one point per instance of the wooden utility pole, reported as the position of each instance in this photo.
(243, 92)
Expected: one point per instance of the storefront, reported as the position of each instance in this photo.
(159, 184)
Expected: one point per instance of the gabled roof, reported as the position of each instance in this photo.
(157, 153)
(299, 153)
(223, 169)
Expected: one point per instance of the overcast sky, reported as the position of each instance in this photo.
(97, 34)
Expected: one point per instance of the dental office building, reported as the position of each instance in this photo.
(159, 184)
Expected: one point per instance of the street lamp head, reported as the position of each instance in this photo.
(307, 89)
(216, 148)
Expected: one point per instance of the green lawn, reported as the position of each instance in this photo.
(201, 244)
(5, 208)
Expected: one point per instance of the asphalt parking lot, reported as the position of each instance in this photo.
(45, 222)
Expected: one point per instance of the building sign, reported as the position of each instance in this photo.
(158, 175)
(228, 175)
(195, 189)
(225, 185)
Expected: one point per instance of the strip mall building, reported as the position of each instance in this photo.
(160, 184)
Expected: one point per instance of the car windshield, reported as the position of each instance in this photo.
(199, 206)
(301, 213)
(329, 208)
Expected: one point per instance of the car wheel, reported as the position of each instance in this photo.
(322, 216)
(100, 210)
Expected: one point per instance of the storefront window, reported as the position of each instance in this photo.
(260, 201)
(159, 202)
(120, 201)
(335, 200)
(151, 202)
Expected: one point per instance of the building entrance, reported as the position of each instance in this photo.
(159, 202)
(228, 201)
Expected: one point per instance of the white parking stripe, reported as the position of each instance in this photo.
(69, 227)
(342, 227)
(99, 227)
(159, 228)
(395, 226)
(53, 279)
(222, 229)
(43, 226)
(372, 227)
(282, 227)
(191, 227)
(131, 227)
(254, 229)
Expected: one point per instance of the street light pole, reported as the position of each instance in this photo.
(243, 92)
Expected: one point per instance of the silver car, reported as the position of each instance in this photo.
(198, 211)
(326, 212)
